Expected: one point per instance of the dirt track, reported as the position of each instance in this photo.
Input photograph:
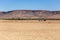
(29, 30)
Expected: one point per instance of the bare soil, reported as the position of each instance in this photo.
(29, 30)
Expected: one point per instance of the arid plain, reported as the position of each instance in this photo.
(29, 30)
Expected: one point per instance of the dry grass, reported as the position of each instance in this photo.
(29, 30)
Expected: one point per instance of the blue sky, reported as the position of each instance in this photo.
(6, 5)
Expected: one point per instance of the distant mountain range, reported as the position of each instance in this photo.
(29, 14)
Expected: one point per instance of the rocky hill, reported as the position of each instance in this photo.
(29, 14)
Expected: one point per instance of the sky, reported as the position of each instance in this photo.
(7, 5)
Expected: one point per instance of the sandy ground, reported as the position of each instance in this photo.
(29, 30)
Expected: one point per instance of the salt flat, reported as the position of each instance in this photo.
(29, 30)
